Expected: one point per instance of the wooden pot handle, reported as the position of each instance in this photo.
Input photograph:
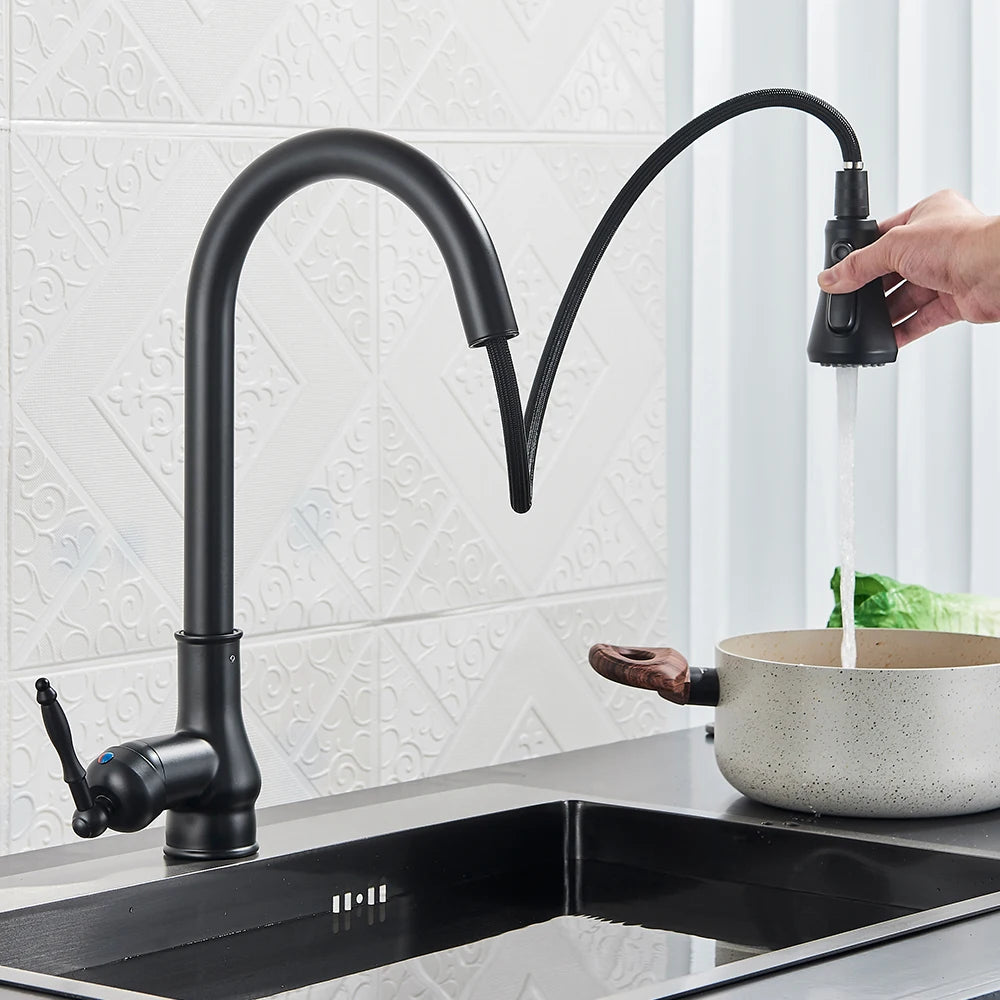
(655, 668)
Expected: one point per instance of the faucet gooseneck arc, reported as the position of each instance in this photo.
(208, 673)
(205, 773)
(483, 302)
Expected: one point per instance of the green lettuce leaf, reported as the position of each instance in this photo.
(882, 602)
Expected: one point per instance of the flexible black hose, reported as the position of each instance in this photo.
(522, 432)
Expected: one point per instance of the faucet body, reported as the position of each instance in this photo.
(205, 773)
(220, 820)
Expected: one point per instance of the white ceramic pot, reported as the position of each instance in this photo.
(913, 731)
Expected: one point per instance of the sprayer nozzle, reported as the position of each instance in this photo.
(853, 329)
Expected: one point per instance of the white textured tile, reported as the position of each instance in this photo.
(6, 750)
(572, 65)
(272, 62)
(99, 383)
(6, 438)
(321, 566)
(609, 385)
(536, 700)
(636, 618)
(105, 706)
(4, 63)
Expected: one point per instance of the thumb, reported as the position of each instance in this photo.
(860, 267)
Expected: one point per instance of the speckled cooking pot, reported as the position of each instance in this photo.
(913, 731)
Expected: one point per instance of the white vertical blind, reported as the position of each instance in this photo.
(985, 358)
(918, 80)
(711, 317)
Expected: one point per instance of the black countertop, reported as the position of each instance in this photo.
(674, 772)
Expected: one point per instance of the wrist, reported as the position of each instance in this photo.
(981, 251)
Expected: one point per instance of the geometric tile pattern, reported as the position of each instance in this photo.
(400, 620)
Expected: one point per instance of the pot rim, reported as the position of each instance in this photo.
(894, 633)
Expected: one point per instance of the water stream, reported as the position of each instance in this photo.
(847, 415)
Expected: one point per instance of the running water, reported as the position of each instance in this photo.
(847, 414)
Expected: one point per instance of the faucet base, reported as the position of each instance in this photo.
(198, 836)
(219, 821)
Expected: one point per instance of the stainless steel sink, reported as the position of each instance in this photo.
(261, 927)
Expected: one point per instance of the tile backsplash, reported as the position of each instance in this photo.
(400, 620)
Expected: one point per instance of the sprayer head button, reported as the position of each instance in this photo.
(840, 250)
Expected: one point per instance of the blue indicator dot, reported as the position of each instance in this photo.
(105, 757)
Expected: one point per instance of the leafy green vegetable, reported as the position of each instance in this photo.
(881, 602)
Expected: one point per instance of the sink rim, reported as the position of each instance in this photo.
(742, 969)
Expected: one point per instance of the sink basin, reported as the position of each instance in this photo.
(635, 895)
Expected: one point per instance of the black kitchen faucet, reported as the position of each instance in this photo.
(205, 774)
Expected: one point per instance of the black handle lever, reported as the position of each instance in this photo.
(90, 818)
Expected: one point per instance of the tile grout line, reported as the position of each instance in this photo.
(254, 640)
(6, 461)
(252, 130)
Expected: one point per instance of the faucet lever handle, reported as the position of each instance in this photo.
(90, 818)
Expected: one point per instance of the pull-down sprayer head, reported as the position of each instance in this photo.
(852, 330)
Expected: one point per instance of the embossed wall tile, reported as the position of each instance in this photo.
(51, 531)
(291, 683)
(316, 66)
(51, 265)
(616, 83)
(107, 182)
(207, 47)
(335, 254)
(6, 750)
(340, 751)
(321, 567)
(275, 62)
(529, 737)
(105, 705)
(453, 656)
(456, 90)
(460, 568)
(572, 65)
(637, 618)
(105, 391)
(39, 30)
(637, 254)
(143, 395)
(109, 607)
(104, 69)
(414, 727)
(621, 537)
(8, 482)
(431, 676)
(614, 354)
(4, 67)
(434, 554)
(535, 698)
(413, 502)
(76, 199)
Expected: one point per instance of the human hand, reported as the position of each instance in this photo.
(939, 262)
